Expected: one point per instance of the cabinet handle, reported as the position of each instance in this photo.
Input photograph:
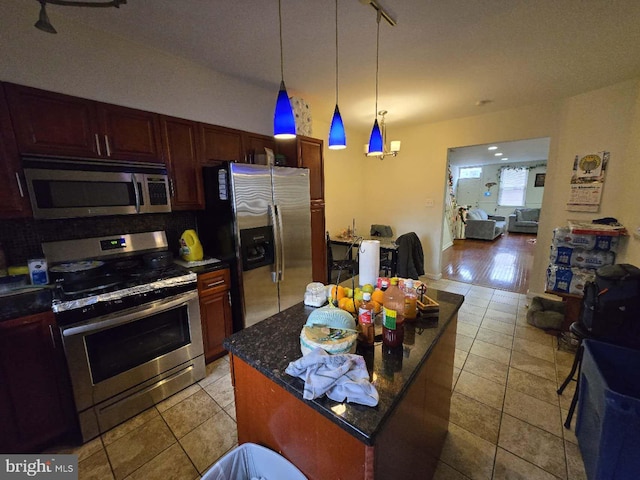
(106, 144)
(19, 184)
(229, 295)
(53, 338)
(171, 189)
(98, 145)
(215, 284)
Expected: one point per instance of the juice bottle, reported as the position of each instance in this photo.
(410, 301)
(393, 315)
(366, 315)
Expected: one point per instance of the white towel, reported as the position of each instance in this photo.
(341, 377)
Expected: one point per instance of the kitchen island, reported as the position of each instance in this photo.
(399, 438)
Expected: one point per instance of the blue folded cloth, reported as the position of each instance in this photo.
(340, 377)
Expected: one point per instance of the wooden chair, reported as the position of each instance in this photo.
(347, 265)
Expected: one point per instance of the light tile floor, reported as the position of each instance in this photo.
(506, 418)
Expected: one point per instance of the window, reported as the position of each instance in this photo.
(513, 186)
(470, 172)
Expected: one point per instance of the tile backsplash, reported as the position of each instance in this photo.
(21, 238)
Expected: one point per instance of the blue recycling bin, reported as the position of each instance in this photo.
(608, 425)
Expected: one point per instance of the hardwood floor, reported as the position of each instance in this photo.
(504, 263)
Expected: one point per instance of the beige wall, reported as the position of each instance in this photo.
(605, 119)
(608, 118)
(399, 188)
(90, 63)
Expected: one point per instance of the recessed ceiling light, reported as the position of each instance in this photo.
(492, 147)
(503, 159)
(498, 154)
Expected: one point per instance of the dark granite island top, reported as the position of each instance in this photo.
(269, 346)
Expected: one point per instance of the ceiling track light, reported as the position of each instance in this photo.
(337, 134)
(43, 22)
(284, 122)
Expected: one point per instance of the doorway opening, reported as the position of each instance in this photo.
(493, 199)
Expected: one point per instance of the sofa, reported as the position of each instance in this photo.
(524, 220)
(482, 226)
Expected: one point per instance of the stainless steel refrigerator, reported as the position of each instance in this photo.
(261, 215)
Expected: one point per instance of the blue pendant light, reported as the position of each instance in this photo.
(284, 122)
(337, 135)
(376, 143)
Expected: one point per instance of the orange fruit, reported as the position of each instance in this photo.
(347, 304)
(378, 296)
(377, 306)
(340, 294)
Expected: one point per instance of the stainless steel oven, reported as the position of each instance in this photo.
(131, 330)
(60, 188)
(123, 363)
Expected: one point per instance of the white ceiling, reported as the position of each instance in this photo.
(441, 58)
(535, 149)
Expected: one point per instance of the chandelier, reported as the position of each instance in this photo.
(377, 146)
(43, 22)
(381, 150)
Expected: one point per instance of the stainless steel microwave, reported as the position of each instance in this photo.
(68, 188)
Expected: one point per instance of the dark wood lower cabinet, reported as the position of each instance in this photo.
(215, 312)
(36, 400)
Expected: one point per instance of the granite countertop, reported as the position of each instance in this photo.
(25, 302)
(270, 345)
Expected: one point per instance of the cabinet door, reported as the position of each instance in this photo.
(215, 312)
(13, 194)
(310, 156)
(180, 143)
(318, 242)
(51, 123)
(129, 134)
(254, 144)
(33, 381)
(220, 144)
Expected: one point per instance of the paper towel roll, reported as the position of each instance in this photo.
(369, 261)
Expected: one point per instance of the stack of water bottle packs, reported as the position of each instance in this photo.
(575, 258)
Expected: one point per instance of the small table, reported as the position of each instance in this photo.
(387, 245)
(573, 303)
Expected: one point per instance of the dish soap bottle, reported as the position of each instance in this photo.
(190, 246)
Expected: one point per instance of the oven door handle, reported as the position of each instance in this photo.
(115, 319)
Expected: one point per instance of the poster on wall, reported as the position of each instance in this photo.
(587, 182)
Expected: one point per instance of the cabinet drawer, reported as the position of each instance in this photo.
(213, 282)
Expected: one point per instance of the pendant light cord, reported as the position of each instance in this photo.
(378, 16)
(281, 54)
(336, 52)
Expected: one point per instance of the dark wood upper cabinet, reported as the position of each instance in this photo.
(130, 134)
(306, 152)
(51, 123)
(220, 144)
(310, 156)
(14, 200)
(255, 144)
(181, 140)
(36, 400)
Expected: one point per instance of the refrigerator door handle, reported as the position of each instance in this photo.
(281, 244)
(275, 269)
